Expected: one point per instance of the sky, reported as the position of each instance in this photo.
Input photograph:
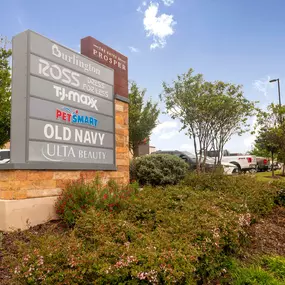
(236, 41)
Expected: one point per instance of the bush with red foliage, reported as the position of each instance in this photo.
(79, 196)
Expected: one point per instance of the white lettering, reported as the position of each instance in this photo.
(48, 131)
(87, 137)
(101, 137)
(56, 77)
(66, 134)
(57, 137)
(75, 60)
(57, 73)
(78, 135)
(71, 152)
(94, 137)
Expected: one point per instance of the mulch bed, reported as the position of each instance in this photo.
(268, 235)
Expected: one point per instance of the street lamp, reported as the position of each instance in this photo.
(274, 80)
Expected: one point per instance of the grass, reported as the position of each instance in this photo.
(267, 270)
(267, 176)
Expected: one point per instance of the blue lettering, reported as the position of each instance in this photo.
(91, 121)
(86, 120)
(80, 119)
(95, 122)
(74, 118)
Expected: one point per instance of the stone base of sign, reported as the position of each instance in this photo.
(27, 191)
(24, 213)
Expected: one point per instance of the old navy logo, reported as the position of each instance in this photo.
(75, 97)
(75, 118)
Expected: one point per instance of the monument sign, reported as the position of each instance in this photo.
(63, 114)
(100, 52)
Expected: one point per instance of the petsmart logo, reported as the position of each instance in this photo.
(66, 115)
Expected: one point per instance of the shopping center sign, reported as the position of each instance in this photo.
(62, 107)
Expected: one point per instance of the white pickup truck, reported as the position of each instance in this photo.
(243, 162)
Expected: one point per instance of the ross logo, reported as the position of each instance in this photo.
(56, 72)
(66, 115)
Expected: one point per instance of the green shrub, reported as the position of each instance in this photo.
(258, 197)
(159, 169)
(79, 196)
(163, 235)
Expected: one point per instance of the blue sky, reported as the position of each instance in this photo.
(238, 41)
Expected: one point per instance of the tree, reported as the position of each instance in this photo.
(232, 111)
(259, 151)
(210, 112)
(143, 117)
(5, 92)
(268, 140)
(270, 129)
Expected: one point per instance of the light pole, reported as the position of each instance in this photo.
(274, 80)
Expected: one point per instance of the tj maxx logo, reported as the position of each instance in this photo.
(75, 97)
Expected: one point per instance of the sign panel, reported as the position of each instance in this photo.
(65, 76)
(66, 107)
(42, 130)
(43, 47)
(54, 112)
(111, 58)
(50, 91)
(63, 153)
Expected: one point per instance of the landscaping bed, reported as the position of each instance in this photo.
(184, 234)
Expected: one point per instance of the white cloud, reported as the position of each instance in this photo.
(262, 85)
(249, 141)
(158, 27)
(168, 135)
(144, 3)
(139, 9)
(133, 49)
(168, 2)
(165, 126)
(167, 130)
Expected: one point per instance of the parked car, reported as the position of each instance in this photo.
(276, 165)
(244, 163)
(262, 164)
(190, 159)
(4, 156)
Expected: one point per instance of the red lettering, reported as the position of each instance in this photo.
(64, 116)
(58, 113)
(68, 117)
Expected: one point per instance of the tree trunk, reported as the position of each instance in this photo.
(272, 158)
(283, 169)
(136, 151)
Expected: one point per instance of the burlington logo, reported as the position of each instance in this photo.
(65, 114)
